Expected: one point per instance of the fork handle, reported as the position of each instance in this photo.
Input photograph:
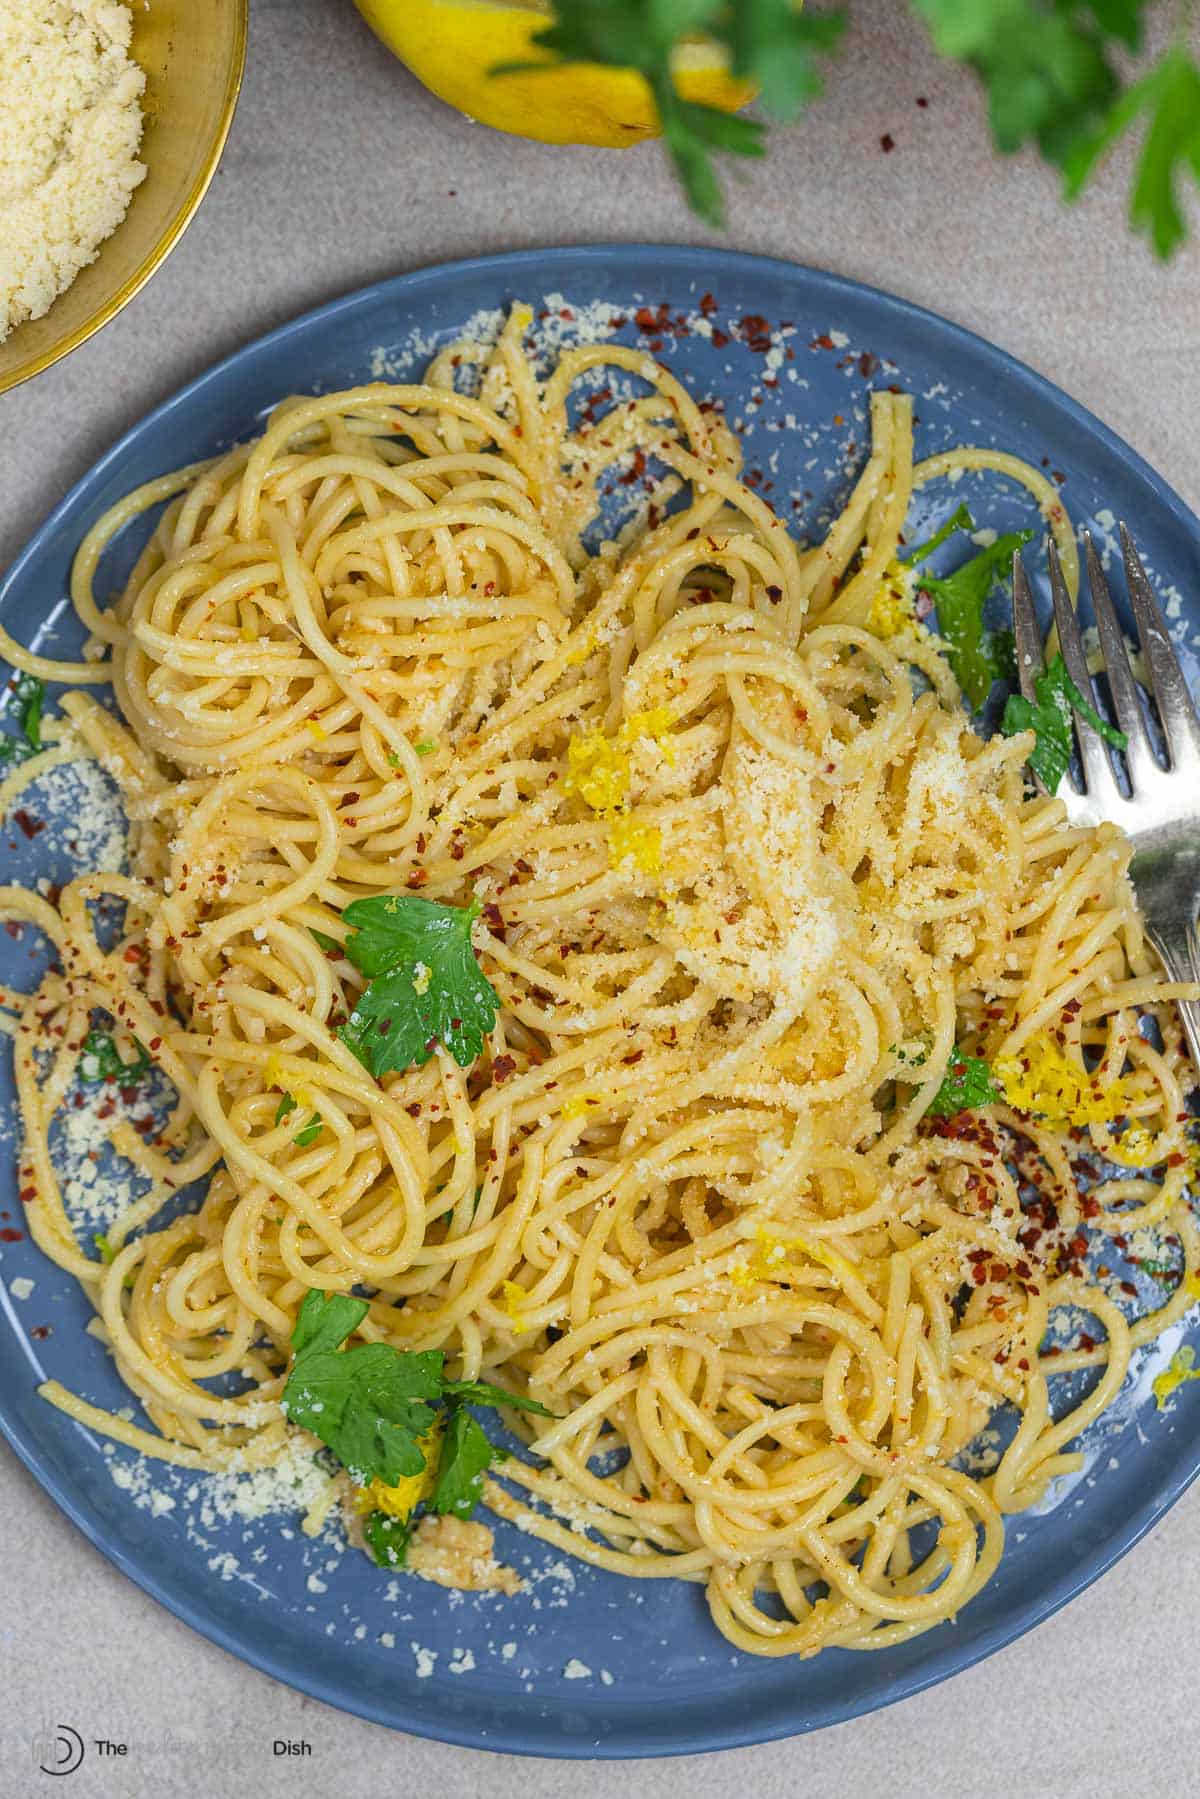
(1180, 956)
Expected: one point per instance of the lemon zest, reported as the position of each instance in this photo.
(772, 1253)
(578, 1104)
(599, 768)
(516, 1298)
(598, 772)
(1179, 1370)
(316, 729)
(402, 1500)
(1135, 1148)
(894, 608)
(630, 840)
(1045, 1080)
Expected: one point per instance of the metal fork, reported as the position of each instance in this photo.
(1161, 815)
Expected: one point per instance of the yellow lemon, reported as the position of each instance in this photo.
(453, 45)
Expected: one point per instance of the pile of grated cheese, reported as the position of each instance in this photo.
(70, 126)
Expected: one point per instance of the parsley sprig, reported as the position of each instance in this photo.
(978, 656)
(426, 985)
(1048, 714)
(967, 1084)
(29, 695)
(101, 1060)
(373, 1406)
(1048, 70)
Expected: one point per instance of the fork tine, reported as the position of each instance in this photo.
(1098, 777)
(1140, 757)
(1175, 709)
(1025, 629)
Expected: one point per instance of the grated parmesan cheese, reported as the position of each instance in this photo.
(70, 126)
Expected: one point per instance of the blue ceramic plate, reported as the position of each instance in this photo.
(580, 1664)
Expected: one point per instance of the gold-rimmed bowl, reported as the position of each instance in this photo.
(193, 53)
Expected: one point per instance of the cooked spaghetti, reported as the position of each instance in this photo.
(750, 885)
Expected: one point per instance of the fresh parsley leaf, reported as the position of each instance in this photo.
(427, 748)
(466, 1452)
(775, 46)
(1169, 98)
(1048, 69)
(1044, 67)
(481, 1392)
(771, 43)
(29, 694)
(975, 655)
(323, 941)
(287, 1104)
(325, 1320)
(365, 1403)
(426, 986)
(1049, 716)
(960, 520)
(100, 1060)
(310, 1133)
(387, 1538)
(968, 1083)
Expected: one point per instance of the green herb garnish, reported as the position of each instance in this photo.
(977, 656)
(425, 988)
(1049, 71)
(960, 520)
(1049, 716)
(30, 696)
(311, 1131)
(323, 941)
(370, 1404)
(387, 1538)
(466, 1453)
(426, 748)
(967, 1084)
(100, 1060)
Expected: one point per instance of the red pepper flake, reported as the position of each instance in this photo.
(31, 826)
(707, 305)
(9, 1235)
(756, 333)
(720, 338)
(502, 1067)
(637, 471)
(887, 143)
(417, 878)
(41, 1332)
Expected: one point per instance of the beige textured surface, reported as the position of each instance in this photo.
(340, 171)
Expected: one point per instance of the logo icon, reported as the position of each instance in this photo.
(60, 1752)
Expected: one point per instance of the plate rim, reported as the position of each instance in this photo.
(532, 1736)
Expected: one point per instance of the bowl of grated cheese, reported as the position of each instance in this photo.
(113, 117)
